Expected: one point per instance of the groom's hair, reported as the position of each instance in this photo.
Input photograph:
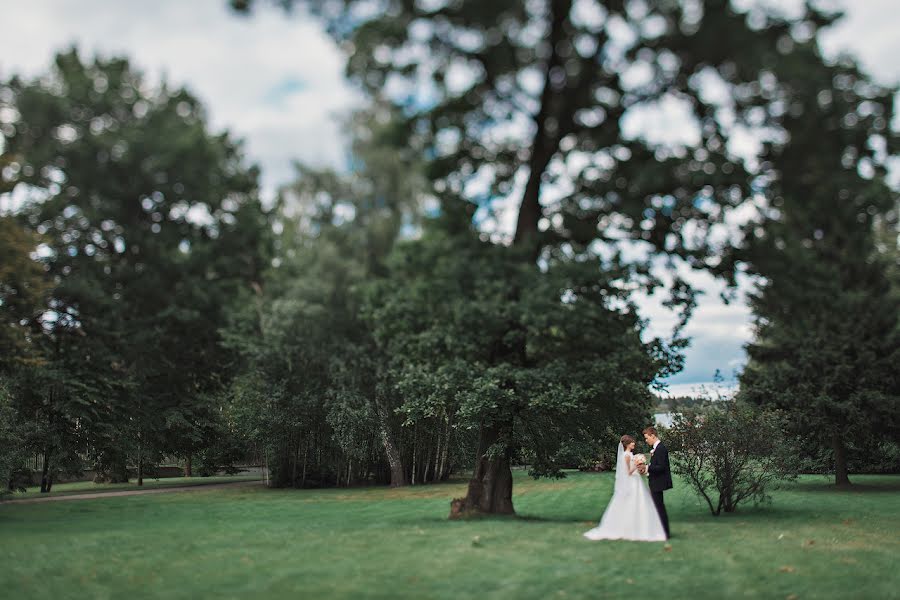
(650, 431)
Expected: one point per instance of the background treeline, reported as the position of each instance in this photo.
(155, 310)
(365, 328)
(132, 229)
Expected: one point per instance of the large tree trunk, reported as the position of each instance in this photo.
(398, 474)
(841, 478)
(188, 472)
(490, 489)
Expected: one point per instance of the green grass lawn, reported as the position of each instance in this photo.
(89, 487)
(813, 542)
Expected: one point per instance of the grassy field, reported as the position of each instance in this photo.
(813, 542)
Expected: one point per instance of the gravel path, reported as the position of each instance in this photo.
(165, 490)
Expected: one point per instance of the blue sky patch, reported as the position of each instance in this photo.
(285, 88)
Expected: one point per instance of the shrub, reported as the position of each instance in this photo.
(732, 451)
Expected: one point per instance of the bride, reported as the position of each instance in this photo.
(631, 514)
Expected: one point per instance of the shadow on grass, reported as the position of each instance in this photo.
(517, 518)
(533, 518)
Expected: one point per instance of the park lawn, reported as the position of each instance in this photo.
(812, 542)
(89, 487)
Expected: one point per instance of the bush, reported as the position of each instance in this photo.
(732, 451)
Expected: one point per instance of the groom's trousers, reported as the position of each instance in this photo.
(661, 509)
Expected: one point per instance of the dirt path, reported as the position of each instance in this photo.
(164, 490)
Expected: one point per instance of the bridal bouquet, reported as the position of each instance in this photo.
(640, 460)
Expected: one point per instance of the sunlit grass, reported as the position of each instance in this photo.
(812, 542)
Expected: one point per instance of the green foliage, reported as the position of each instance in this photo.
(552, 357)
(23, 290)
(872, 453)
(292, 339)
(827, 339)
(57, 414)
(730, 454)
(11, 441)
(311, 390)
(149, 224)
(220, 456)
(304, 361)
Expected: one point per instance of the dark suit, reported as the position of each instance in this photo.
(660, 481)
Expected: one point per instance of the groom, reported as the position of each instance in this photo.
(660, 476)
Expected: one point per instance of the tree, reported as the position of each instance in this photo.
(363, 214)
(289, 338)
(826, 344)
(730, 453)
(529, 359)
(335, 231)
(150, 223)
(12, 442)
(23, 295)
(529, 102)
(57, 411)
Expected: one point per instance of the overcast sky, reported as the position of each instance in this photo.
(277, 83)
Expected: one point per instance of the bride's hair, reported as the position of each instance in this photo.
(626, 439)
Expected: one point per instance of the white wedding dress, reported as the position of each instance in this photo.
(631, 514)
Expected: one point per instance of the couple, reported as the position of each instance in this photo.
(636, 513)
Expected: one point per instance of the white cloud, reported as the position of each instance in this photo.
(233, 64)
(718, 331)
(869, 32)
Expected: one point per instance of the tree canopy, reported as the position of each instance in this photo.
(148, 224)
(827, 339)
